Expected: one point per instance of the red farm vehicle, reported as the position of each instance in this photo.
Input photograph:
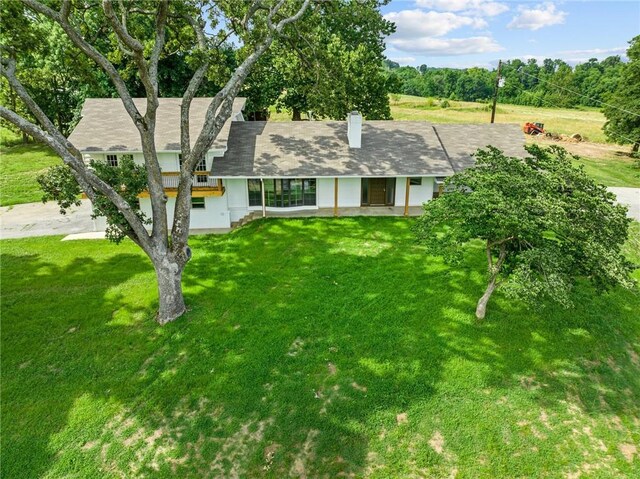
(533, 128)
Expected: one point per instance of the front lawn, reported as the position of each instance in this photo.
(312, 348)
(20, 164)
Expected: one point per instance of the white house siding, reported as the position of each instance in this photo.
(215, 214)
(168, 161)
(349, 192)
(237, 197)
(418, 194)
(324, 192)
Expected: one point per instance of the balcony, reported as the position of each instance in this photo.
(201, 185)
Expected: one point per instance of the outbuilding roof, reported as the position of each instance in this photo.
(106, 126)
(389, 148)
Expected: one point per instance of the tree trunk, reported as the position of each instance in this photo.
(636, 147)
(170, 299)
(297, 115)
(481, 309)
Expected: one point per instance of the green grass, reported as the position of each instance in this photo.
(314, 347)
(612, 171)
(20, 164)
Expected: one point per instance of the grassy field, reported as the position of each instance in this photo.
(312, 348)
(588, 122)
(19, 165)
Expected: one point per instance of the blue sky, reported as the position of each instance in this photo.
(464, 33)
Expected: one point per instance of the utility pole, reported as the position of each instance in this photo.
(495, 92)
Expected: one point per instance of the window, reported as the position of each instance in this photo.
(391, 191)
(283, 193)
(202, 165)
(438, 187)
(197, 203)
(112, 160)
(202, 178)
(255, 192)
(415, 181)
(365, 191)
(309, 191)
(180, 160)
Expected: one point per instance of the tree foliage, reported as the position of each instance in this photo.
(553, 84)
(330, 64)
(59, 184)
(623, 108)
(544, 223)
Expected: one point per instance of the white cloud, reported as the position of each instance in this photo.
(403, 60)
(412, 24)
(536, 18)
(596, 52)
(447, 46)
(485, 8)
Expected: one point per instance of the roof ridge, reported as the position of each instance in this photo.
(444, 149)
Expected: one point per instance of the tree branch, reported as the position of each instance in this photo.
(83, 174)
(90, 51)
(218, 113)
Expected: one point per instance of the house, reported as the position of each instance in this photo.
(273, 167)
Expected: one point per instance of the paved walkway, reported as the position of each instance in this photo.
(38, 219)
(629, 197)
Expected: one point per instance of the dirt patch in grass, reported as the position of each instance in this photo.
(295, 347)
(402, 418)
(437, 442)
(628, 451)
(300, 467)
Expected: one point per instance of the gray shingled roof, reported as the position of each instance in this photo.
(106, 126)
(389, 148)
(461, 140)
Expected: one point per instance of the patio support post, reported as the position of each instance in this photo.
(335, 196)
(264, 206)
(406, 197)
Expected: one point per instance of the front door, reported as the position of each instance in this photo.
(378, 191)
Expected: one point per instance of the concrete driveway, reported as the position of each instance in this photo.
(629, 197)
(38, 219)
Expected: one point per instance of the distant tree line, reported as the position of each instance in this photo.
(553, 84)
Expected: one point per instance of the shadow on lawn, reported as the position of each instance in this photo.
(291, 359)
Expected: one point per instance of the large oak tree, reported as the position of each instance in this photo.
(142, 31)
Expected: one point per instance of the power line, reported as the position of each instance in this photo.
(580, 94)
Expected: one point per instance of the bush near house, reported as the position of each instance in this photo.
(313, 347)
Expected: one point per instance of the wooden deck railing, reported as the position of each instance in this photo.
(171, 182)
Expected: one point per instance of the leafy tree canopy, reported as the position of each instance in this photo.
(623, 108)
(331, 64)
(552, 84)
(544, 223)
